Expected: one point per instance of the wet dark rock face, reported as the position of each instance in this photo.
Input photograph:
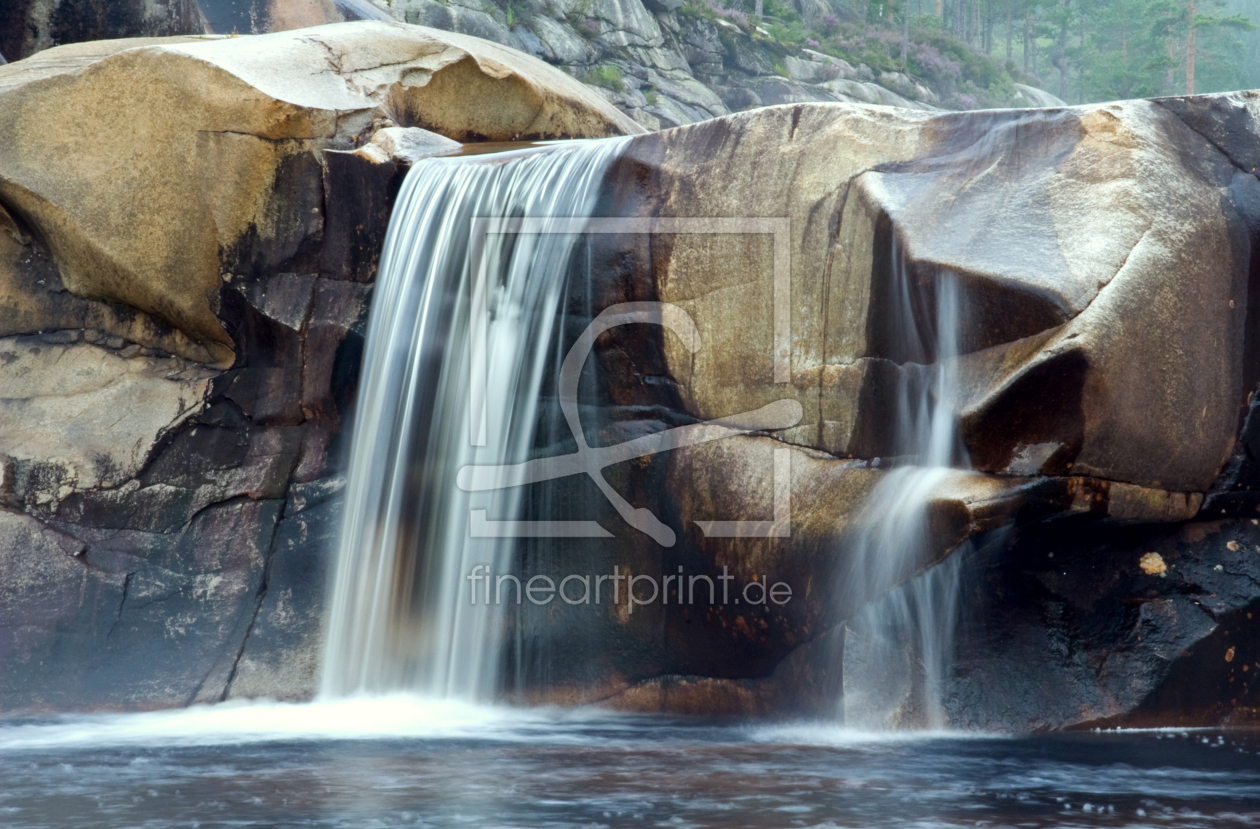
(208, 565)
(27, 26)
(1090, 625)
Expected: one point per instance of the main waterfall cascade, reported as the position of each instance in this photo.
(397, 621)
(449, 283)
(898, 648)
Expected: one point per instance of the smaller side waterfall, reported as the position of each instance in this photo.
(898, 648)
(462, 326)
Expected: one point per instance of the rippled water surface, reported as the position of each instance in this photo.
(408, 762)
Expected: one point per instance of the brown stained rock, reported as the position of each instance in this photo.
(788, 162)
(1102, 253)
(806, 683)
(363, 184)
(33, 300)
(338, 308)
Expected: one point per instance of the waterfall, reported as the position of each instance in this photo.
(443, 388)
(898, 648)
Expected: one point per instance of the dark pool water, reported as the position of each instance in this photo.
(405, 762)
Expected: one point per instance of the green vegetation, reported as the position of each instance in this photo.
(973, 52)
(608, 77)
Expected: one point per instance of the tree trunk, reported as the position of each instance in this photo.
(1190, 53)
(1080, 70)
(987, 29)
(1059, 61)
(905, 35)
(1172, 59)
(1010, 8)
(1027, 37)
(1125, 84)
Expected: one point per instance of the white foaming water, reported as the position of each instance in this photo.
(231, 723)
(898, 649)
(841, 736)
(400, 618)
(407, 717)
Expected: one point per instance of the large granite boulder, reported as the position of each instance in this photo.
(251, 114)
(1105, 258)
(189, 229)
(1088, 244)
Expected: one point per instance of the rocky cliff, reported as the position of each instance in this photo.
(188, 240)
(663, 62)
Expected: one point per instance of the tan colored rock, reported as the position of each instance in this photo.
(153, 168)
(79, 416)
(1104, 279)
(1152, 564)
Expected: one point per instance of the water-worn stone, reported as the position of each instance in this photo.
(1076, 269)
(1104, 256)
(282, 656)
(109, 414)
(1070, 626)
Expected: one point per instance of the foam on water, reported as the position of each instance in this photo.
(827, 734)
(416, 718)
(362, 718)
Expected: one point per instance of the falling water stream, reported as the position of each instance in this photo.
(897, 650)
(459, 338)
